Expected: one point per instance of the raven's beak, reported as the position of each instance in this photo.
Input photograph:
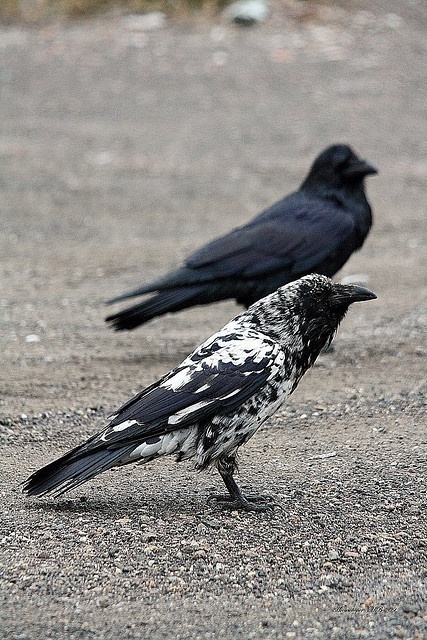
(360, 168)
(349, 293)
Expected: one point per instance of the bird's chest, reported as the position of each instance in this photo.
(226, 434)
(256, 410)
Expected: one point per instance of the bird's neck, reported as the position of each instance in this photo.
(353, 191)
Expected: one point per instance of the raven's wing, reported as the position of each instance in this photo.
(306, 232)
(216, 379)
(296, 234)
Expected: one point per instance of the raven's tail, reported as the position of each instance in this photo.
(73, 469)
(168, 301)
(140, 291)
(182, 277)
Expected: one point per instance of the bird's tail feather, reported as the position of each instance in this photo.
(72, 470)
(180, 278)
(140, 291)
(164, 302)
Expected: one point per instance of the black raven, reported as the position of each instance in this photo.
(313, 230)
(218, 397)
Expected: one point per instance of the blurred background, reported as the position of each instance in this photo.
(127, 141)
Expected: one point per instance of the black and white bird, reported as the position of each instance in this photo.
(220, 395)
(313, 230)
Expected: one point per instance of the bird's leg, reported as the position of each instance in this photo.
(236, 500)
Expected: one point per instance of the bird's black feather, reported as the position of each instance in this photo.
(315, 229)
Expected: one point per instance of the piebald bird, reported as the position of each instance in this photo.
(220, 395)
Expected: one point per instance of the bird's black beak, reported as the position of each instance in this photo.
(359, 168)
(349, 293)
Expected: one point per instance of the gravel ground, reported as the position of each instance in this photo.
(121, 151)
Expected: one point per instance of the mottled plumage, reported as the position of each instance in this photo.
(218, 397)
(313, 230)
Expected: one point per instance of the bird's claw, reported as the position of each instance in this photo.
(251, 503)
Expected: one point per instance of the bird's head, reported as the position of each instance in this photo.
(305, 314)
(321, 295)
(337, 167)
(321, 304)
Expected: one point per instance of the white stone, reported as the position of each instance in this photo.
(247, 11)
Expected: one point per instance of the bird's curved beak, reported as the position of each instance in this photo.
(360, 168)
(349, 293)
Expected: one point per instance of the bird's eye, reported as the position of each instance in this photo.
(342, 164)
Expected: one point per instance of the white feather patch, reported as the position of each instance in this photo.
(178, 380)
(124, 425)
(184, 413)
(145, 450)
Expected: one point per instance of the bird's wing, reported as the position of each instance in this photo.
(216, 379)
(298, 237)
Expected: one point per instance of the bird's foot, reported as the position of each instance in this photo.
(252, 502)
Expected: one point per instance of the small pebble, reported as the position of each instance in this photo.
(411, 608)
(103, 602)
(351, 554)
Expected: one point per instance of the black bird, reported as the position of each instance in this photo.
(313, 230)
(218, 397)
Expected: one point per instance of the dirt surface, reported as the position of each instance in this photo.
(121, 151)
